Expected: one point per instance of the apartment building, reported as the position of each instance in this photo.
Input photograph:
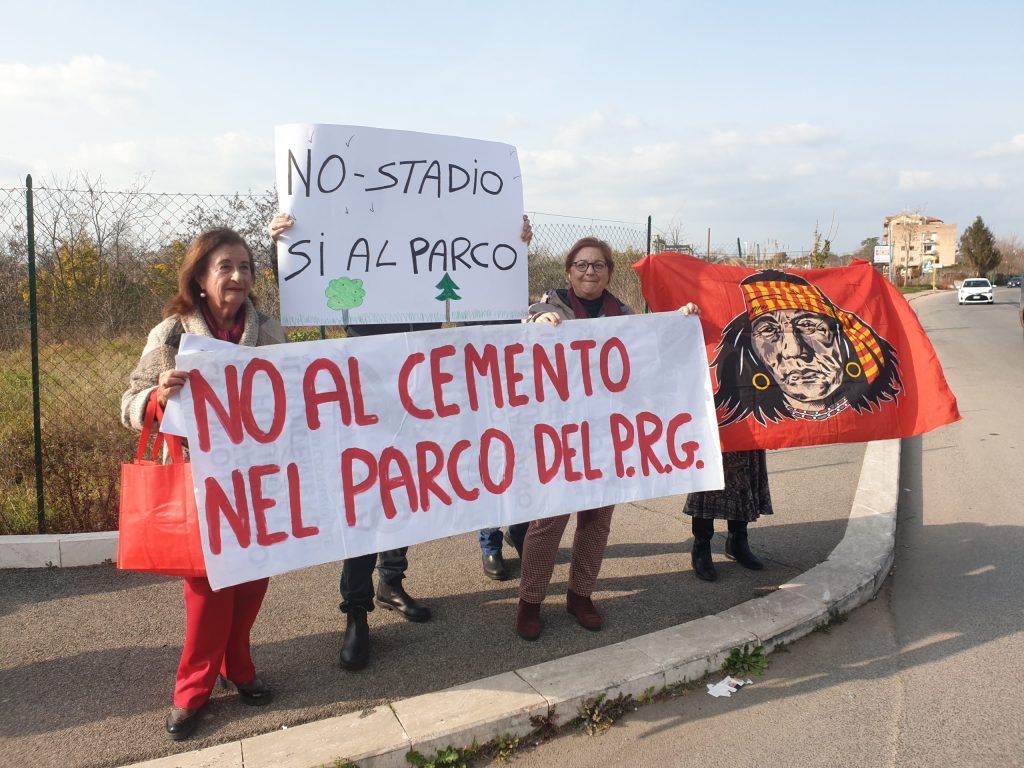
(915, 240)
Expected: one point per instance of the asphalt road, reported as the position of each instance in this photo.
(87, 655)
(929, 673)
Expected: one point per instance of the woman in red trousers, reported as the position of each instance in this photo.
(214, 299)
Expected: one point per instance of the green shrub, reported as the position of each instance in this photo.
(304, 334)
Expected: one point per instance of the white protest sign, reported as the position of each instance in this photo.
(397, 226)
(173, 422)
(312, 452)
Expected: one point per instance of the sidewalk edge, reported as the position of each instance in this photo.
(507, 705)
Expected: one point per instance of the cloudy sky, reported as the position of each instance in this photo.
(758, 120)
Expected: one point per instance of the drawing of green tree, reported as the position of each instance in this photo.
(448, 289)
(448, 293)
(343, 294)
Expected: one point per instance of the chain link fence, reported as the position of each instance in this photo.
(105, 264)
(554, 235)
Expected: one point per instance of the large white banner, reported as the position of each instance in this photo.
(397, 226)
(318, 451)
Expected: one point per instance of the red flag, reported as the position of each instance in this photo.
(806, 357)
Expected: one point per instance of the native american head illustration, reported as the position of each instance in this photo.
(795, 355)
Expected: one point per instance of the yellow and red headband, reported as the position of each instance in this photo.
(771, 295)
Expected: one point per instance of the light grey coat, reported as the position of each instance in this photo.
(162, 346)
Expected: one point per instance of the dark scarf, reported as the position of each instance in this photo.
(234, 335)
(610, 306)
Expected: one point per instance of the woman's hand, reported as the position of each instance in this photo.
(279, 224)
(169, 382)
(551, 318)
(527, 233)
(689, 308)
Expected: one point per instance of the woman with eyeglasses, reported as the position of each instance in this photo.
(588, 270)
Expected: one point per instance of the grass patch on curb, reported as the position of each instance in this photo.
(449, 756)
(746, 661)
(834, 620)
(498, 750)
(598, 715)
(595, 717)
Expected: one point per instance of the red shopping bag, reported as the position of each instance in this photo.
(159, 523)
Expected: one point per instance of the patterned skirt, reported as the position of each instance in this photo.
(746, 495)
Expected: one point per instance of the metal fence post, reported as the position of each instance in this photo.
(33, 321)
(648, 235)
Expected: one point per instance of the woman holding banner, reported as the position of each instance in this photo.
(358, 596)
(588, 271)
(214, 299)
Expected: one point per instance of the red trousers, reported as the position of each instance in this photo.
(217, 626)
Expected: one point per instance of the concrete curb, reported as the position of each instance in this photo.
(49, 550)
(504, 705)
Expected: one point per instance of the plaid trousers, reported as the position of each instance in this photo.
(541, 546)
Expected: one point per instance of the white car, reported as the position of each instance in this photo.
(975, 290)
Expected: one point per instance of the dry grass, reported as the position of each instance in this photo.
(83, 440)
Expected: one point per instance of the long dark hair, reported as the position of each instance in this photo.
(195, 263)
(737, 367)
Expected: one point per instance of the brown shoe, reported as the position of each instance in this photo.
(528, 620)
(584, 611)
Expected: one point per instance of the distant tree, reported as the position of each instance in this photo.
(1012, 250)
(246, 214)
(161, 274)
(673, 235)
(866, 250)
(13, 311)
(73, 284)
(89, 256)
(978, 248)
(821, 251)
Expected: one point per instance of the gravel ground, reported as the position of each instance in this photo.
(87, 655)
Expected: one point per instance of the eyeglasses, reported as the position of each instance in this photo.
(583, 266)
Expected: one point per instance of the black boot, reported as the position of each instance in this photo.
(355, 650)
(700, 555)
(494, 567)
(738, 549)
(393, 597)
